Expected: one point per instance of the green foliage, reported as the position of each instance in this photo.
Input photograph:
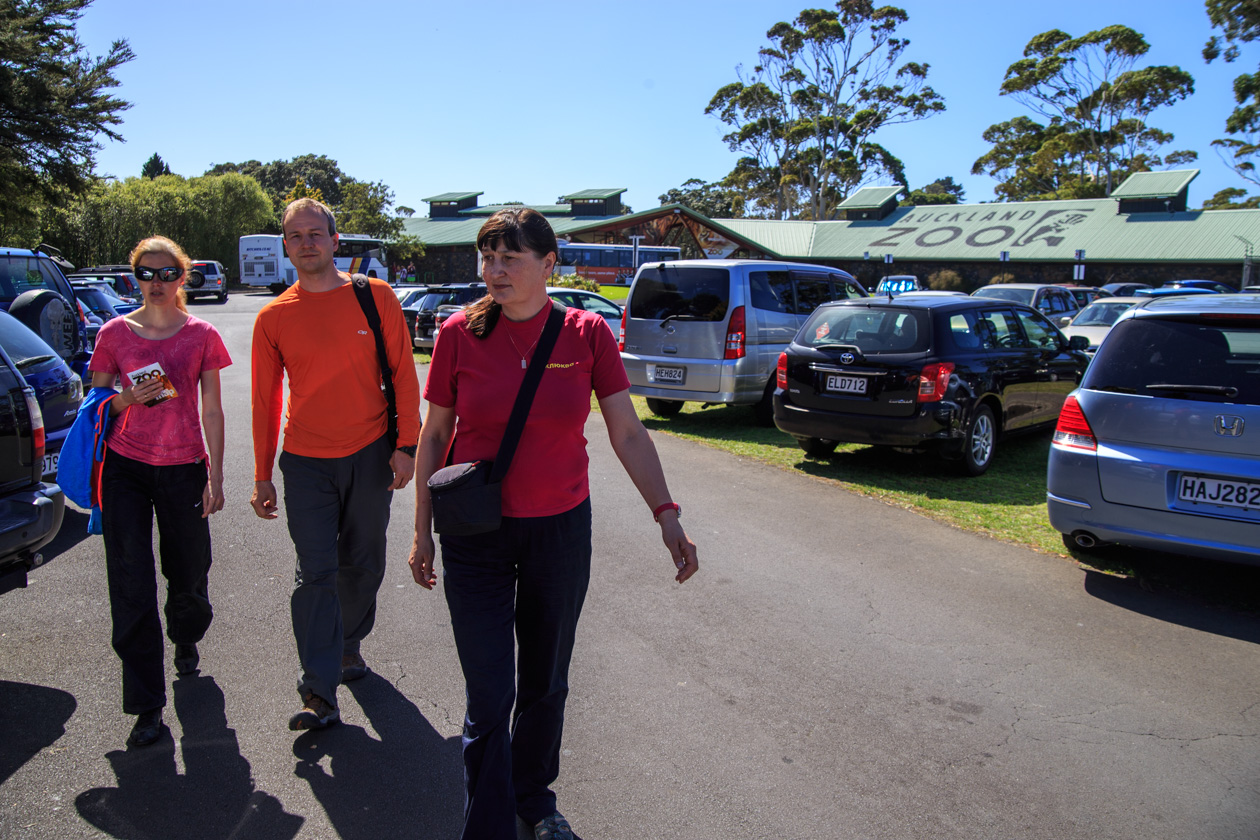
(573, 281)
(1239, 20)
(154, 167)
(1227, 199)
(301, 190)
(946, 280)
(941, 191)
(205, 215)
(805, 118)
(54, 101)
(715, 201)
(405, 248)
(1095, 102)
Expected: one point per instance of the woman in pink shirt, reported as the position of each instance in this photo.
(156, 463)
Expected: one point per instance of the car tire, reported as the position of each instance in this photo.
(763, 411)
(981, 441)
(48, 315)
(223, 296)
(664, 408)
(276, 288)
(817, 447)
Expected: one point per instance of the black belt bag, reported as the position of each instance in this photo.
(467, 498)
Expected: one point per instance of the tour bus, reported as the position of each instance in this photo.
(609, 264)
(264, 261)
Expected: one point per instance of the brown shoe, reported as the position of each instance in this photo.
(316, 713)
(352, 667)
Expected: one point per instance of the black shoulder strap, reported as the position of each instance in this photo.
(363, 292)
(525, 396)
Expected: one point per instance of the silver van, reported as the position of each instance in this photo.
(712, 330)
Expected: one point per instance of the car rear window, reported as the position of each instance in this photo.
(686, 293)
(24, 347)
(205, 268)
(870, 329)
(1207, 360)
(999, 293)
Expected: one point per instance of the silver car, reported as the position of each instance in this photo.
(1159, 448)
(712, 330)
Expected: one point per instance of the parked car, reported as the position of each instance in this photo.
(58, 389)
(1124, 289)
(101, 303)
(712, 330)
(124, 283)
(575, 298)
(1096, 320)
(207, 278)
(1055, 302)
(1210, 285)
(950, 375)
(1173, 291)
(1158, 447)
(896, 284)
(34, 290)
(423, 329)
(1085, 295)
(30, 509)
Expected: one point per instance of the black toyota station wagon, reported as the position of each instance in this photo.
(944, 373)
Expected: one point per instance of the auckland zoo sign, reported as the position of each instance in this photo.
(983, 227)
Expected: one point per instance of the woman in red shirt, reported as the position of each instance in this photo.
(532, 573)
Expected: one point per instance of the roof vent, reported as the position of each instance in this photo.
(869, 204)
(1154, 192)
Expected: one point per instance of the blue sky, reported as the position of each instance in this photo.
(529, 101)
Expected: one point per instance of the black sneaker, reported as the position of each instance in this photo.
(555, 827)
(186, 659)
(316, 713)
(352, 667)
(148, 728)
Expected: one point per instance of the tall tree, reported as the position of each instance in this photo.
(1096, 102)
(806, 117)
(54, 102)
(713, 200)
(154, 167)
(941, 191)
(1239, 21)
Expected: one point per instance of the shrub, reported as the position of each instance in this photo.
(946, 280)
(1002, 278)
(573, 281)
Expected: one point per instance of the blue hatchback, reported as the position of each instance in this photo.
(58, 388)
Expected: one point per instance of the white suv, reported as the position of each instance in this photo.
(207, 278)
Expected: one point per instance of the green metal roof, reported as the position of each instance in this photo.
(593, 195)
(869, 198)
(1155, 184)
(451, 197)
(1031, 230)
(463, 230)
(546, 209)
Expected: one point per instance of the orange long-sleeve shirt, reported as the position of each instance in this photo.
(336, 406)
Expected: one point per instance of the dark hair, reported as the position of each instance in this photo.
(517, 229)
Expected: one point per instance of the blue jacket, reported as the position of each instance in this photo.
(83, 453)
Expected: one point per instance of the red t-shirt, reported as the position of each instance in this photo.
(479, 378)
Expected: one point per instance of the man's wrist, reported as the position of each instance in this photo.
(409, 451)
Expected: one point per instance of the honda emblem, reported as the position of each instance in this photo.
(1229, 425)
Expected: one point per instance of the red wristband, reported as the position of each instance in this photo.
(656, 514)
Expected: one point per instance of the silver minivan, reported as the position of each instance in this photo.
(712, 330)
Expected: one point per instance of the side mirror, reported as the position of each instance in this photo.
(1078, 342)
(1065, 320)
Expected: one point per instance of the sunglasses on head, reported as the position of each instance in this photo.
(167, 275)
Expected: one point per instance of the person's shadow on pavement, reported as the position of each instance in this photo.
(409, 784)
(32, 717)
(215, 798)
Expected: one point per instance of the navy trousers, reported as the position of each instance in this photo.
(133, 492)
(521, 586)
(338, 512)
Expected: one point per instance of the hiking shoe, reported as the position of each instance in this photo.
(316, 713)
(352, 667)
(148, 728)
(555, 827)
(186, 659)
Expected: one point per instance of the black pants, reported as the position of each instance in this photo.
(525, 583)
(133, 492)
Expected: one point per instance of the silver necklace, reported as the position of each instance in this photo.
(531, 347)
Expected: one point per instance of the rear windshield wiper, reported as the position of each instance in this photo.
(1221, 390)
(33, 360)
(679, 317)
(1113, 389)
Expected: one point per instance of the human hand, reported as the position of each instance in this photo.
(263, 500)
(680, 546)
(404, 467)
(421, 560)
(139, 393)
(212, 497)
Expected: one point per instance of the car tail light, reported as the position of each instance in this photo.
(780, 372)
(37, 423)
(735, 335)
(933, 380)
(621, 334)
(1073, 430)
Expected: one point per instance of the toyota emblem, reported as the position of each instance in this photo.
(846, 358)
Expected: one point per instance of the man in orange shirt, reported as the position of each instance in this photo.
(339, 469)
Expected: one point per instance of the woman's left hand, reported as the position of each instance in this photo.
(212, 497)
(680, 546)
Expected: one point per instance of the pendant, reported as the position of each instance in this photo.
(522, 364)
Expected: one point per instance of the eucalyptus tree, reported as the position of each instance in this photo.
(1239, 22)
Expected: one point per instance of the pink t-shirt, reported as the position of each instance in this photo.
(479, 378)
(169, 432)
